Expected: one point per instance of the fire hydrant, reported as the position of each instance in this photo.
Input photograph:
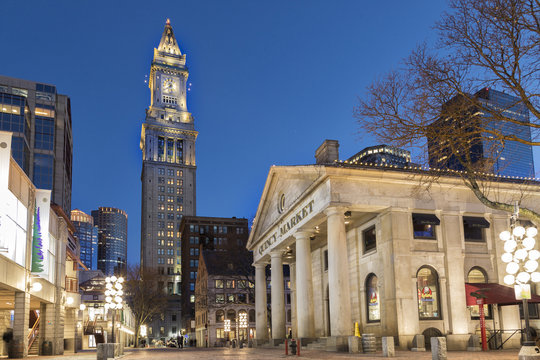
(293, 347)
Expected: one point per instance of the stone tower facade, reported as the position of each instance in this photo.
(168, 173)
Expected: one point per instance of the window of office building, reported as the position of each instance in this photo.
(161, 149)
(44, 134)
(179, 152)
(43, 171)
(220, 316)
(373, 299)
(219, 284)
(369, 238)
(427, 283)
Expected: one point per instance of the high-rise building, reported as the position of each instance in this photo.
(512, 159)
(383, 155)
(168, 173)
(208, 233)
(112, 240)
(87, 233)
(42, 145)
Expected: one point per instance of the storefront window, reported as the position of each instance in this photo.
(372, 299)
(478, 275)
(427, 283)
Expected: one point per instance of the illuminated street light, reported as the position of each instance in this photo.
(521, 264)
(113, 296)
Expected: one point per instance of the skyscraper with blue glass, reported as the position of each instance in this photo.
(511, 158)
(87, 234)
(112, 240)
(42, 145)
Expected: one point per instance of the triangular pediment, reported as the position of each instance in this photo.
(284, 186)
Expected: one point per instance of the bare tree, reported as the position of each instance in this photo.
(143, 296)
(482, 44)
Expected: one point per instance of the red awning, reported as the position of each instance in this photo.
(495, 294)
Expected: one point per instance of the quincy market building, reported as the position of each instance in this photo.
(364, 245)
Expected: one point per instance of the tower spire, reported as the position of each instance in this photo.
(168, 42)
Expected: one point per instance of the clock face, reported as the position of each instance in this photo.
(169, 85)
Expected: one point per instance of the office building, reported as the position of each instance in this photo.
(207, 233)
(511, 159)
(365, 246)
(168, 173)
(40, 120)
(112, 240)
(383, 155)
(87, 233)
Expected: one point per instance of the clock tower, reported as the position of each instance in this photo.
(168, 174)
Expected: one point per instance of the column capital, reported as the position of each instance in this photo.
(276, 254)
(259, 265)
(335, 210)
(302, 235)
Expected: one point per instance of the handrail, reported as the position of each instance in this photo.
(502, 331)
(32, 336)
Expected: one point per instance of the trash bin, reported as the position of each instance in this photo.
(46, 348)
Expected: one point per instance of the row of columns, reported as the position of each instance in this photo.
(338, 285)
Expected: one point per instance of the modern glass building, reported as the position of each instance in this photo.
(40, 120)
(87, 234)
(512, 159)
(383, 155)
(112, 240)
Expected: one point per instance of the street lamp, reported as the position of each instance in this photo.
(113, 296)
(521, 264)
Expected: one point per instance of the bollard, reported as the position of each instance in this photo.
(299, 346)
(286, 347)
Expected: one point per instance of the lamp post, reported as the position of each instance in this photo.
(113, 297)
(521, 264)
(243, 320)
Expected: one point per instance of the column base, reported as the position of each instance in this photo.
(337, 343)
(306, 340)
(529, 353)
(455, 342)
(276, 342)
(259, 342)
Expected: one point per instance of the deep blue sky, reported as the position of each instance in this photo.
(271, 80)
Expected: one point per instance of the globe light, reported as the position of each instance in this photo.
(113, 278)
(118, 286)
(112, 305)
(531, 265)
(531, 231)
(108, 299)
(519, 231)
(107, 305)
(109, 285)
(119, 293)
(528, 243)
(510, 246)
(118, 299)
(119, 306)
(534, 254)
(535, 276)
(108, 279)
(507, 257)
(107, 292)
(120, 279)
(510, 279)
(512, 268)
(523, 277)
(82, 307)
(505, 235)
(521, 254)
(37, 286)
(69, 300)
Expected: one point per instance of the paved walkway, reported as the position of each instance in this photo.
(264, 354)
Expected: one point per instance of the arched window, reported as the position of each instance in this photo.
(373, 302)
(427, 286)
(220, 316)
(478, 275)
(251, 315)
(231, 315)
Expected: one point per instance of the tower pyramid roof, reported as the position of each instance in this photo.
(168, 42)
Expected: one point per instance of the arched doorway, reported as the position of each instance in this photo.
(428, 334)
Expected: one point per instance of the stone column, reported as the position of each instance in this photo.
(338, 274)
(261, 323)
(294, 323)
(278, 296)
(20, 323)
(304, 286)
